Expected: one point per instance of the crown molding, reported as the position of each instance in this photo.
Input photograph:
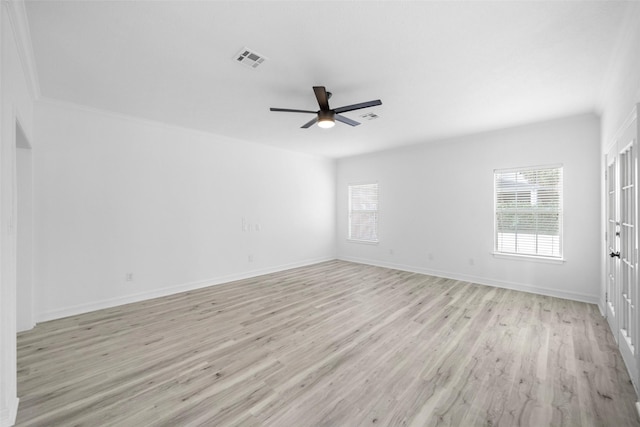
(17, 14)
(633, 115)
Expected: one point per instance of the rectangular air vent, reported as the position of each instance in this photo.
(249, 58)
(370, 116)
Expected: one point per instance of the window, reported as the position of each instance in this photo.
(528, 211)
(363, 212)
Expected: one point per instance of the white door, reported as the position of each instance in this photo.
(622, 242)
(613, 240)
(628, 259)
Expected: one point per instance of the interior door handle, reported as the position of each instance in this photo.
(614, 254)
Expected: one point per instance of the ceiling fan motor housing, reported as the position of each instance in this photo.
(326, 115)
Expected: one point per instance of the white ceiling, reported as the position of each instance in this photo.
(441, 68)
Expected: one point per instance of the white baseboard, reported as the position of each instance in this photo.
(601, 308)
(575, 296)
(28, 328)
(126, 299)
(8, 414)
(170, 290)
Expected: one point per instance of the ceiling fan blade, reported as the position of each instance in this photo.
(289, 110)
(357, 106)
(309, 123)
(322, 97)
(346, 120)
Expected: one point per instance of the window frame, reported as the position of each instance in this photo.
(350, 212)
(559, 258)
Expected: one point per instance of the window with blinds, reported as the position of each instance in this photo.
(363, 212)
(528, 211)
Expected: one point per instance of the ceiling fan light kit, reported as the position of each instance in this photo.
(325, 116)
(326, 119)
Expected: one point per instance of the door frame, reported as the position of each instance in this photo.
(628, 340)
(612, 241)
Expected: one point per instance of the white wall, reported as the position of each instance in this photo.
(116, 195)
(16, 106)
(436, 207)
(621, 93)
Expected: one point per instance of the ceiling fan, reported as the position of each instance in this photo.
(326, 117)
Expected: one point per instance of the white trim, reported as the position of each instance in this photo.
(8, 414)
(574, 296)
(364, 242)
(528, 167)
(17, 14)
(603, 312)
(377, 211)
(524, 257)
(623, 127)
(556, 166)
(170, 290)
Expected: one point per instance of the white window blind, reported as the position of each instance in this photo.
(528, 211)
(363, 212)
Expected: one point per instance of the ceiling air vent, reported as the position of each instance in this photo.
(370, 116)
(249, 58)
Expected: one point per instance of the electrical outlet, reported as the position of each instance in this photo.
(250, 258)
(128, 277)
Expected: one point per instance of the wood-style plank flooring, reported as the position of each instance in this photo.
(333, 344)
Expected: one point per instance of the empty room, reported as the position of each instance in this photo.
(319, 213)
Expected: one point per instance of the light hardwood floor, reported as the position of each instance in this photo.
(334, 344)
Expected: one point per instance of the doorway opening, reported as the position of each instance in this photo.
(24, 232)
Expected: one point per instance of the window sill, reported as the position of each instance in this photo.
(533, 258)
(363, 242)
